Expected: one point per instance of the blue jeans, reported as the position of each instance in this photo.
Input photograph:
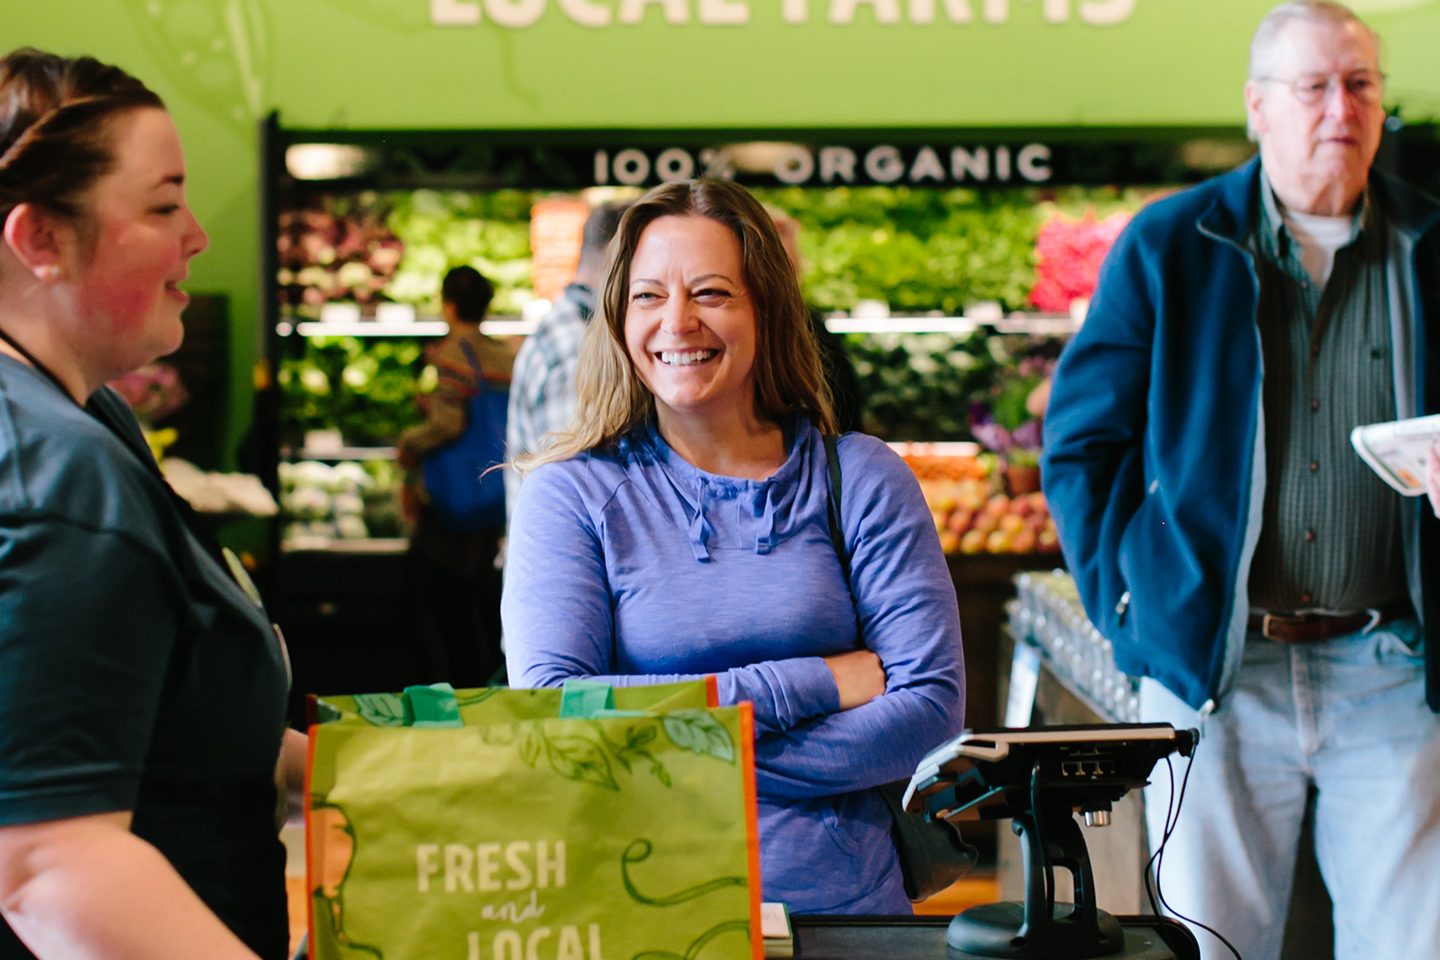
(1347, 717)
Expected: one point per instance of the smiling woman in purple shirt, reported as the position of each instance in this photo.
(679, 529)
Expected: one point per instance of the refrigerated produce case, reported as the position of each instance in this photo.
(921, 246)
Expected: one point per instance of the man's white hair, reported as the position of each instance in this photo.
(1262, 45)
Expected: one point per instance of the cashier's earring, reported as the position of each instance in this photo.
(51, 273)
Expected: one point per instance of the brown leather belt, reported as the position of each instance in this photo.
(1314, 627)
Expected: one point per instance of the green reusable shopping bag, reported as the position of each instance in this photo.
(482, 825)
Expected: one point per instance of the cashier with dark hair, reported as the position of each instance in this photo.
(142, 688)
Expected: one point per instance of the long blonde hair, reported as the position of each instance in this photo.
(610, 397)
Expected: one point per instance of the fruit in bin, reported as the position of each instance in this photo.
(1000, 542)
(959, 521)
(969, 519)
(998, 505)
(972, 497)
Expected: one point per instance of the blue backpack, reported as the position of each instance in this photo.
(462, 493)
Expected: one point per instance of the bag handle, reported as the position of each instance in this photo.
(430, 706)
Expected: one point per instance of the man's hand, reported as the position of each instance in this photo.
(858, 676)
(1432, 478)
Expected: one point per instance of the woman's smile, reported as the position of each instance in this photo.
(689, 319)
(688, 358)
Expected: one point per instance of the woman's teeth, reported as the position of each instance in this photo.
(687, 359)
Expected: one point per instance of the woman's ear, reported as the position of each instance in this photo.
(33, 236)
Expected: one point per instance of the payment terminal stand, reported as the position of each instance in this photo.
(1039, 778)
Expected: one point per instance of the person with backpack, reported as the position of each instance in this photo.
(458, 510)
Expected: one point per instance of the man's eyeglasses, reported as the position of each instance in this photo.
(1362, 86)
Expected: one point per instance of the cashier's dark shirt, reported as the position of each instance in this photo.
(135, 674)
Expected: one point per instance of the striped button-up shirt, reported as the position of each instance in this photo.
(1330, 536)
(542, 386)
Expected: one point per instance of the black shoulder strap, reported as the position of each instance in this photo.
(837, 532)
(189, 516)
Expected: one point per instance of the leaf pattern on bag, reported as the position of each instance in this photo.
(478, 696)
(658, 769)
(638, 851)
(499, 735)
(701, 942)
(381, 709)
(699, 732)
(637, 737)
(530, 745)
(576, 758)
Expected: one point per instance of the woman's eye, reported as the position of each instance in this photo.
(167, 209)
(711, 293)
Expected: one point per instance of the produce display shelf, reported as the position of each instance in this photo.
(957, 325)
(342, 453)
(1047, 324)
(926, 448)
(419, 327)
(367, 545)
(517, 327)
(366, 328)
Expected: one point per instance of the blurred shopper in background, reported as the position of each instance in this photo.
(454, 585)
(542, 393)
(844, 385)
(680, 528)
(142, 687)
(1269, 587)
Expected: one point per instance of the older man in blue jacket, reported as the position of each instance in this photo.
(1226, 538)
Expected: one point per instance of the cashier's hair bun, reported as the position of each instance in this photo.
(55, 114)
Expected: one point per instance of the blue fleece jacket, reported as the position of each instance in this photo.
(1154, 465)
(633, 566)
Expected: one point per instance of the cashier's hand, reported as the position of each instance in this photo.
(1432, 478)
(858, 676)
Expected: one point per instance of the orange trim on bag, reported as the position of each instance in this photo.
(752, 820)
(712, 691)
(310, 838)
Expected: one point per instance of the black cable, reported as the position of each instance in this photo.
(1150, 865)
(1157, 859)
(1040, 841)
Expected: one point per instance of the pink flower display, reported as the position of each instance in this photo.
(1069, 254)
(154, 391)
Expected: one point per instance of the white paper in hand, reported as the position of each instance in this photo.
(1397, 450)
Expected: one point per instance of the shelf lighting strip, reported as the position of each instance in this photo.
(955, 325)
(959, 325)
(1060, 326)
(417, 328)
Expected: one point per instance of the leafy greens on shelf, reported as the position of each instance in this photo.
(364, 388)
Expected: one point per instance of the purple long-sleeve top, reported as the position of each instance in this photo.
(633, 566)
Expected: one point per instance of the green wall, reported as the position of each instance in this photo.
(221, 64)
